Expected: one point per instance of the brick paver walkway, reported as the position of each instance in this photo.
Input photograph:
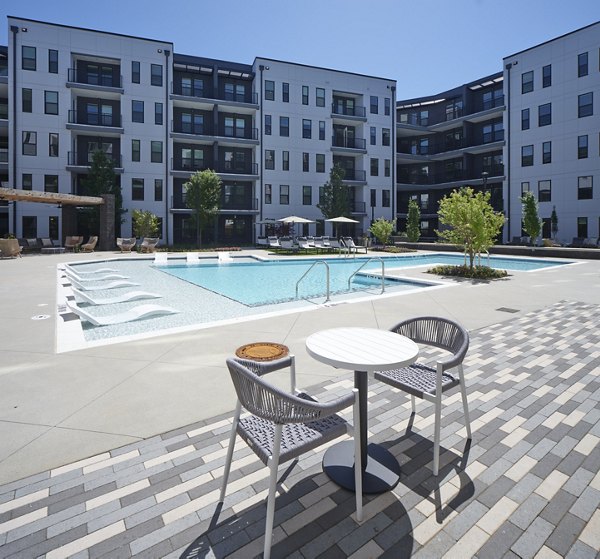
(527, 486)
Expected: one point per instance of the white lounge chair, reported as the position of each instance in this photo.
(136, 313)
(110, 285)
(287, 243)
(334, 244)
(190, 257)
(161, 258)
(224, 258)
(124, 298)
(98, 271)
(352, 248)
(105, 277)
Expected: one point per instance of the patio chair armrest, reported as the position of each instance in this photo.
(263, 367)
(303, 408)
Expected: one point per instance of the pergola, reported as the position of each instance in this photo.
(68, 204)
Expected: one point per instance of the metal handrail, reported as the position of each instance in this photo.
(305, 274)
(364, 264)
(488, 257)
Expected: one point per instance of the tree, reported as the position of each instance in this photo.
(532, 224)
(335, 199)
(203, 196)
(413, 230)
(473, 223)
(145, 223)
(554, 223)
(382, 229)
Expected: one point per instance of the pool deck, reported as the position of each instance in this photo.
(117, 451)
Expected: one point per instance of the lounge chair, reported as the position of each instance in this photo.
(90, 245)
(305, 244)
(111, 285)
(124, 298)
(136, 313)
(149, 244)
(10, 248)
(126, 244)
(334, 244)
(161, 259)
(73, 242)
(274, 242)
(98, 271)
(591, 242)
(47, 243)
(352, 248)
(224, 258)
(577, 242)
(72, 274)
(262, 241)
(190, 257)
(286, 243)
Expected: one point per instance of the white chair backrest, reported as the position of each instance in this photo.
(160, 258)
(224, 258)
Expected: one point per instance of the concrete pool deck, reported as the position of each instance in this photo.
(58, 409)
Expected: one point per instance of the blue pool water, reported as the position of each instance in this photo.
(262, 283)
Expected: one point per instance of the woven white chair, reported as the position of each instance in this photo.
(429, 383)
(282, 426)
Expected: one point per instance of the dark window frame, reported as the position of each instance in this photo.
(545, 114)
(136, 150)
(527, 82)
(285, 160)
(374, 105)
(156, 155)
(582, 109)
(306, 128)
(137, 189)
(582, 147)
(156, 75)
(28, 62)
(321, 129)
(285, 92)
(52, 61)
(135, 71)
(158, 190)
(268, 125)
(53, 146)
(305, 94)
(27, 181)
(305, 162)
(546, 153)
(585, 192)
(582, 65)
(137, 115)
(320, 162)
(547, 75)
(31, 145)
(374, 167)
(284, 126)
(158, 113)
(26, 100)
(270, 162)
(284, 194)
(525, 119)
(306, 195)
(527, 159)
(50, 107)
(545, 195)
(269, 90)
(51, 183)
(320, 96)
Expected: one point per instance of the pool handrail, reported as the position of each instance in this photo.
(363, 265)
(311, 267)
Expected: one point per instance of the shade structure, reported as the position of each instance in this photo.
(342, 219)
(295, 219)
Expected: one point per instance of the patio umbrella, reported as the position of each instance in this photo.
(291, 219)
(342, 219)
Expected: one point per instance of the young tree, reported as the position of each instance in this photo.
(413, 230)
(382, 229)
(145, 223)
(203, 196)
(335, 200)
(532, 224)
(554, 223)
(473, 223)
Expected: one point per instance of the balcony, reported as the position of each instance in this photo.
(359, 208)
(94, 120)
(355, 175)
(341, 143)
(4, 159)
(93, 81)
(352, 112)
(81, 162)
(189, 166)
(209, 96)
(192, 131)
(450, 176)
(3, 111)
(249, 204)
(446, 150)
(239, 133)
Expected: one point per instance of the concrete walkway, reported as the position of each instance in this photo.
(58, 409)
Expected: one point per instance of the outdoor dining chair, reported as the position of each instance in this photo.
(281, 426)
(427, 382)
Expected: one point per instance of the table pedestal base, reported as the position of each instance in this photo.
(381, 474)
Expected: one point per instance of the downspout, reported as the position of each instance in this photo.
(166, 125)
(393, 134)
(14, 29)
(508, 221)
(261, 149)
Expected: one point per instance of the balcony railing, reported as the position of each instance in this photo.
(3, 70)
(243, 133)
(351, 143)
(178, 202)
(447, 176)
(3, 111)
(94, 79)
(435, 148)
(84, 159)
(3, 155)
(94, 119)
(348, 111)
(359, 207)
(191, 128)
(208, 93)
(355, 175)
(191, 166)
(493, 103)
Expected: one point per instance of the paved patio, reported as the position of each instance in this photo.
(527, 486)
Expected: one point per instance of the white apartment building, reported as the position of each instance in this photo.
(552, 125)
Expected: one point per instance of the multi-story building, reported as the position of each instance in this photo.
(553, 125)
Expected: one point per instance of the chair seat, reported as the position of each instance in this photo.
(296, 439)
(417, 379)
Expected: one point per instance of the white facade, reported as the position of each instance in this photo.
(565, 131)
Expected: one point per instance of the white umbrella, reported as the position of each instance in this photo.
(342, 219)
(295, 219)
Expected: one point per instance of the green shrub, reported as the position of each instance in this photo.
(477, 272)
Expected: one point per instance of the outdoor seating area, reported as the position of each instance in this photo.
(323, 244)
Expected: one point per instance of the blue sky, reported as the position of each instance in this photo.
(426, 45)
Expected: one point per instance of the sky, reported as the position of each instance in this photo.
(428, 46)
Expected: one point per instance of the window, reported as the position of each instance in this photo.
(135, 150)
(137, 189)
(545, 114)
(158, 113)
(547, 76)
(156, 72)
(156, 153)
(524, 187)
(27, 181)
(51, 102)
(373, 136)
(270, 159)
(385, 136)
(285, 160)
(525, 119)
(386, 167)
(158, 190)
(374, 104)
(582, 147)
(320, 97)
(527, 82)
(28, 58)
(307, 195)
(544, 191)
(52, 61)
(305, 95)
(385, 198)
(268, 120)
(320, 162)
(135, 71)
(284, 126)
(306, 128)
(269, 90)
(585, 104)
(268, 193)
(526, 156)
(493, 132)
(584, 188)
(285, 92)
(50, 183)
(29, 143)
(137, 111)
(29, 224)
(387, 102)
(53, 227)
(373, 197)
(284, 194)
(305, 162)
(26, 100)
(547, 152)
(53, 144)
(374, 167)
(582, 227)
(582, 64)
(321, 129)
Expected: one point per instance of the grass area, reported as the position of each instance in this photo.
(477, 272)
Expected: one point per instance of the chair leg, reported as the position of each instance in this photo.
(236, 420)
(274, 463)
(357, 459)
(414, 405)
(438, 421)
(463, 391)
(293, 373)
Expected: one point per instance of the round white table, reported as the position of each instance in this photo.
(363, 350)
